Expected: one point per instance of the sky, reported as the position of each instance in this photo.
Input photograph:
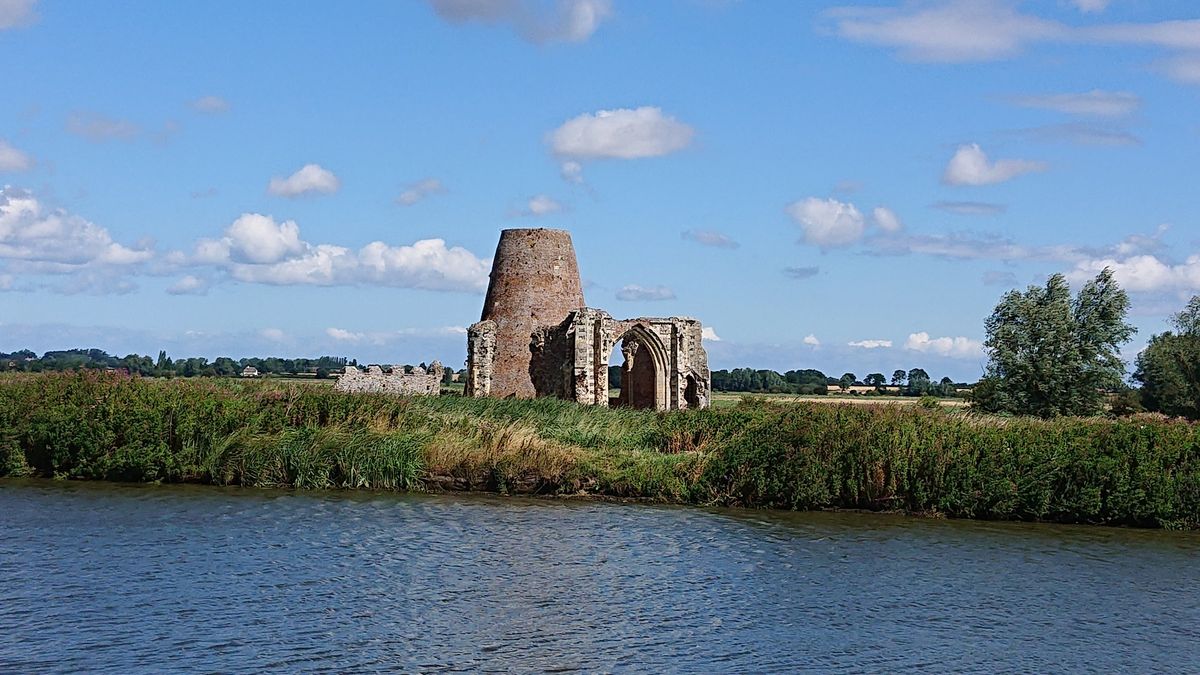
(844, 186)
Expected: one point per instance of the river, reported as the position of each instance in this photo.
(113, 578)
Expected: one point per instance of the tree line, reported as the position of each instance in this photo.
(164, 366)
(914, 382)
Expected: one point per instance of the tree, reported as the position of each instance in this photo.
(846, 380)
(876, 380)
(1049, 355)
(898, 378)
(1169, 367)
(918, 382)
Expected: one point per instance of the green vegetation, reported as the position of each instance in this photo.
(91, 425)
(1051, 355)
(1169, 367)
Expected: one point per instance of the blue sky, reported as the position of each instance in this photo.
(841, 186)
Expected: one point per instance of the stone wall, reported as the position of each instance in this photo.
(420, 382)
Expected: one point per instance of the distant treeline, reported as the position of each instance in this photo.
(136, 364)
(914, 382)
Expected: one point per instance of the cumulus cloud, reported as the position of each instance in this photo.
(1096, 103)
(272, 334)
(210, 104)
(189, 285)
(828, 222)
(415, 192)
(633, 293)
(98, 128)
(709, 238)
(999, 278)
(342, 335)
(870, 344)
(32, 233)
(16, 13)
(620, 134)
(1184, 68)
(309, 179)
(12, 159)
(1144, 273)
(886, 219)
(953, 347)
(563, 21)
(971, 208)
(709, 334)
(811, 340)
(539, 205)
(257, 249)
(970, 166)
(801, 272)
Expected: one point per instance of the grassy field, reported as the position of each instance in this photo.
(757, 452)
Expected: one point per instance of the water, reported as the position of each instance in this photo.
(104, 578)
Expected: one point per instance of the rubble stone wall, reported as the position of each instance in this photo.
(420, 382)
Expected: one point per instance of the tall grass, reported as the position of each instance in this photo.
(1143, 472)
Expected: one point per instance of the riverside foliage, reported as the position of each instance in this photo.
(90, 425)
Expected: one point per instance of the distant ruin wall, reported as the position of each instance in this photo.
(420, 382)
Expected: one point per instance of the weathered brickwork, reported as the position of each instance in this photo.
(537, 337)
(420, 382)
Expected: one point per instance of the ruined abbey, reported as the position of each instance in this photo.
(537, 337)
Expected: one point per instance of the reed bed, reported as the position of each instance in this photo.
(1140, 472)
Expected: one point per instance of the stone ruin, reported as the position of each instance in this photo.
(537, 336)
(419, 382)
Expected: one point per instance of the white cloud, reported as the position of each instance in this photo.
(539, 205)
(971, 208)
(571, 171)
(1144, 273)
(16, 13)
(12, 159)
(949, 32)
(633, 292)
(954, 347)
(970, 166)
(886, 219)
(97, 128)
(310, 179)
(189, 285)
(1090, 6)
(342, 335)
(419, 190)
(709, 334)
(710, 238)
(620, 134)
(1081, 134)
(870, 344)
(828, 222)
(812, 340)
(31, 233)
(272, 334)
(1096, 103)
(564, 21)
(210, 104)
(1184, 68)
(256, 249)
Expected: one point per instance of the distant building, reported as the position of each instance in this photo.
(249, 371)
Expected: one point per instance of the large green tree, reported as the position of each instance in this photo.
(1169, 367)
(1050, 354)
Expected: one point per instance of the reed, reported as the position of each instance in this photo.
(1142, 471)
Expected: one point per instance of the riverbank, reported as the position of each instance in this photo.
(1140, 472)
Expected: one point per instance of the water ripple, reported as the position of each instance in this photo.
(103, 578)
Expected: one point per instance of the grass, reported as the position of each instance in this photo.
(755, 452)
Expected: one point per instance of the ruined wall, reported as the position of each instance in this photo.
(534, 286)
(420, 382)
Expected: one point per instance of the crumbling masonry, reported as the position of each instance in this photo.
(537, 337)
(419, 382)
